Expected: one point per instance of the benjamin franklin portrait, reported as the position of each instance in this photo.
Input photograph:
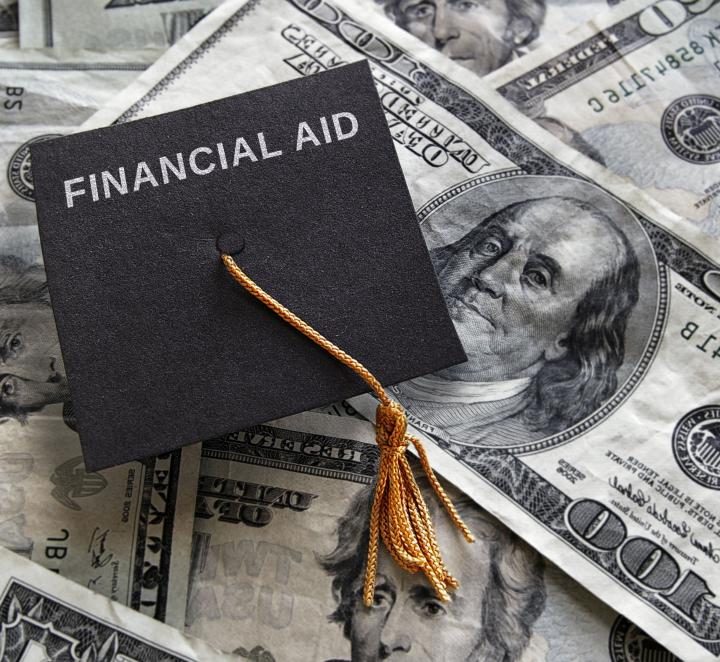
(490, 617)
(541, 286)
(481, 35)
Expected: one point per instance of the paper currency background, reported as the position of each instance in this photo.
(470, 155)
(606, 471)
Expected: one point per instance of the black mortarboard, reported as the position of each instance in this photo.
(301, 184)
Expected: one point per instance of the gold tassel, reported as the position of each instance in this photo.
(399, 514)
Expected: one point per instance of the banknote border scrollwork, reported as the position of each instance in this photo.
(447, 195)
(230, 456)
(70, 620)
(75, 66)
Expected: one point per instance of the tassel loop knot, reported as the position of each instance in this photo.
(399, 514)
(391, 427)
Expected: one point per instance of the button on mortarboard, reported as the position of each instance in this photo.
(230, 242)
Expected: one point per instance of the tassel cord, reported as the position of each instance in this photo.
(399, 515)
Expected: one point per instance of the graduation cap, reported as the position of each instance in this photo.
(299, 187)
(300, 183)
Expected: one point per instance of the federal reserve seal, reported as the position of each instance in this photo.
(691, 128)
(628, 643)
(696, 445)
(19, 174)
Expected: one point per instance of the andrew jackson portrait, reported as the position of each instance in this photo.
(491, 616)
(481, 35)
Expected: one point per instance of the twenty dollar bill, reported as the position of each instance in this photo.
(279, 545)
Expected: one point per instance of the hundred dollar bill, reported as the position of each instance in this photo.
(108, 24)
(45, 617)
(586, 417)
(638, 89)
(278, 550)
(483, 36)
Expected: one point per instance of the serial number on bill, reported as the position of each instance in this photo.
(646, 76)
